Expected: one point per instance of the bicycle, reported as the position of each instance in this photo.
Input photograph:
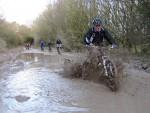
(108, 70)
(27, 46)
(58, 46)
(42, 48)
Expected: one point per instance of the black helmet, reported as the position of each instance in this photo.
(97, 21)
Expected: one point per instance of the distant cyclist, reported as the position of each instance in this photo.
(42, 45)
(58, 45)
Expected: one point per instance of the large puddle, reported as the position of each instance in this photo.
(32, 86)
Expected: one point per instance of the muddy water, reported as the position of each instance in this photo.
(32, 84)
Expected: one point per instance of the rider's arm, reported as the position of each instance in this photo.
(88, 37)
(108, 37)
(60, 42)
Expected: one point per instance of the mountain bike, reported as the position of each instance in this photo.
(108, 71)
(58, 47)
(27, 46)
(42, 48)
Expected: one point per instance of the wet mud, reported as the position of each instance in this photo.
(31, 83)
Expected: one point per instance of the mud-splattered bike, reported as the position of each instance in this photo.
(108, 69)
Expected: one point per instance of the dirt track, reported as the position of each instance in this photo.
(32, 84)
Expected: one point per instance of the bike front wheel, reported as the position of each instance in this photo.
(58, 50)
(111, 77)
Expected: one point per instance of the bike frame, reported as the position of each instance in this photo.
(106, 62)
(58, 46)
(109, 69)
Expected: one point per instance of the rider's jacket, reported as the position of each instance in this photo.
(97, 38)
(42, 43)
(58, 41)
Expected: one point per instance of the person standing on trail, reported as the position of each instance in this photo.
(97, 34)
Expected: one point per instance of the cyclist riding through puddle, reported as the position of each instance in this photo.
(94, 38)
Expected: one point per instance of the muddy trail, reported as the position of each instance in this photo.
(32, 83)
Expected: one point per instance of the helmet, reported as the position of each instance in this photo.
(97, 21)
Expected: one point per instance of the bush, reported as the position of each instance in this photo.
(3, 43)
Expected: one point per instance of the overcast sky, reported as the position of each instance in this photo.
(22, 11)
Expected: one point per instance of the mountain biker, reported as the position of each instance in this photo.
(58, 45)
(97, 34)
(42, 44)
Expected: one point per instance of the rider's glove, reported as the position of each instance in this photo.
(114, 46)
(91, 44)
(87, 45)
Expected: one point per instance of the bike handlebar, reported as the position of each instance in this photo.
(93, 46)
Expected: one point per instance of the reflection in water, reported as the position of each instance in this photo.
(36, 89)
(41, 60)
(35, 84)
(35, 59)
(29, 57)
